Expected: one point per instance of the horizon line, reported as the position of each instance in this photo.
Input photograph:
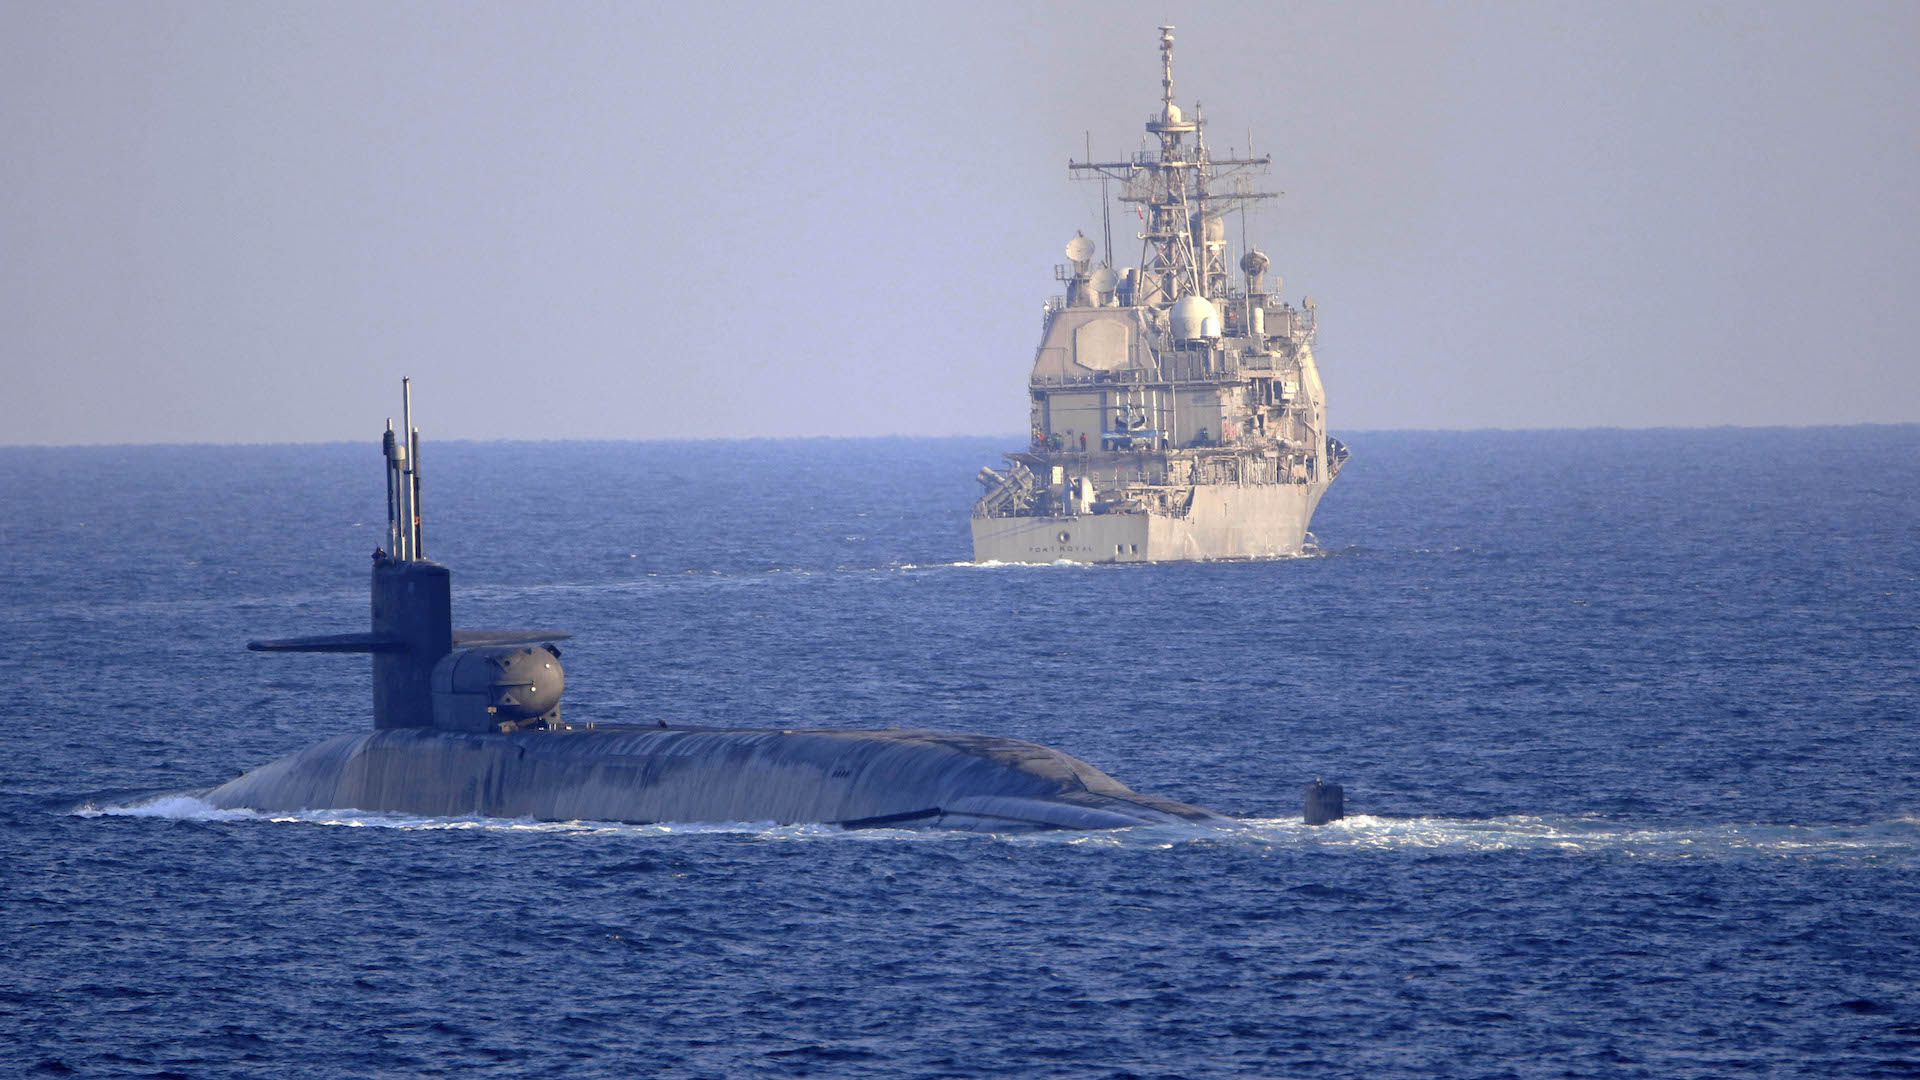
(948, 438)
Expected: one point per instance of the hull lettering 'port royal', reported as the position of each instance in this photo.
(1177, 414)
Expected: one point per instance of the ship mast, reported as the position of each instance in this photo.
(1183, 249)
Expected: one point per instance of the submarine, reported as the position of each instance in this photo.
(469, 723)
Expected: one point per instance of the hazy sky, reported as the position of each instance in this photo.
(243, 222)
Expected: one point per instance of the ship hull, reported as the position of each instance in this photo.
(1224, 521)
(647, 775)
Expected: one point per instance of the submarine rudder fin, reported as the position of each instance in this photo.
(372, 643)
(333, 643)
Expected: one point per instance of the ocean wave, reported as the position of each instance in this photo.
(1898, 838)
(1895, 838)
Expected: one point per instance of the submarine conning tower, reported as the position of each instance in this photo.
(500, 680)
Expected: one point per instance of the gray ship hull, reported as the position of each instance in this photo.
(1225, 521)
(647, 775)
(1173, 414)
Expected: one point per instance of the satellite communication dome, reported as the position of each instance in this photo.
(1193, 318)
(1079, 249)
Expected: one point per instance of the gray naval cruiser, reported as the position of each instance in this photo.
(1175, 414)
(468, 722)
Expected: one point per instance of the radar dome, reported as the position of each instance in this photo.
(1193, 318)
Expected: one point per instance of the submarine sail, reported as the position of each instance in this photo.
(468, 722)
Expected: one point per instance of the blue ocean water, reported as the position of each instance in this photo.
(1627, 723)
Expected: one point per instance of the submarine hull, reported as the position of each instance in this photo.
(649, 775)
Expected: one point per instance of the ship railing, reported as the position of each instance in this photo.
(1053, 306)
(1127, 378)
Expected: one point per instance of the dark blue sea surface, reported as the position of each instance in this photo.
(1626, 720)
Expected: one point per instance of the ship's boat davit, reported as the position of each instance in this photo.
(468, 722)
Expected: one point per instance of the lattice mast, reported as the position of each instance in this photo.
(1183, 242)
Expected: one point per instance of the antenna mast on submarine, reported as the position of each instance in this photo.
(403, 481)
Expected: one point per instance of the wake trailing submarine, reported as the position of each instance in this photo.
(468, 722)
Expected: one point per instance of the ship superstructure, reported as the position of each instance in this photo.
(1176, 413)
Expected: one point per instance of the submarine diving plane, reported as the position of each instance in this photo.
(468, 722)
